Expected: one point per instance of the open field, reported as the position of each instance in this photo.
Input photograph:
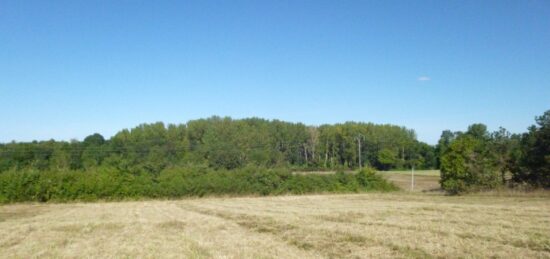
(396, 225)
(401, 172)
(416, 172)
(425, 180)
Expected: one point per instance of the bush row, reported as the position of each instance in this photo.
(111, 183)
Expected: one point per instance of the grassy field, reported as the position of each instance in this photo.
(424, 180)
(416, 172)
(391, 225)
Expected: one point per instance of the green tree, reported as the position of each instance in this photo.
(445, 140)
(469, 164)
(387, 158)
(534, 161)
(93, 152)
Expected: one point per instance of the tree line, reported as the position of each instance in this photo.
(257, 156)
(481, 160)
(225, 143)
(213, 156)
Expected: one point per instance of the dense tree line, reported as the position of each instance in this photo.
(225, 143)
(480, 160)
(219, 156)
(215, 156)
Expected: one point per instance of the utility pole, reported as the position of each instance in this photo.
(359, 151)
(359, 137)
(412, 178)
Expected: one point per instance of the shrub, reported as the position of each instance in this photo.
(116, 183)
(468, 165)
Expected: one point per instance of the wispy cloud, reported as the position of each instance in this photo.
(424, 78)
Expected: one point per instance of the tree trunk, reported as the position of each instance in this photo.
(305, 153)
(326, 154)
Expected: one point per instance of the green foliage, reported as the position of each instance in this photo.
(207, 156)
(470, 162)
(383, 146)
(225, 156)
(533, 158)
(443, 144)
(387, 159)
(368, 179)
(224, 143)
(111, 183)
(478, 159)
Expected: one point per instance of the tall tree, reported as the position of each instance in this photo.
(534, 164)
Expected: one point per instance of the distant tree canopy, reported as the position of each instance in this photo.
(225, 143)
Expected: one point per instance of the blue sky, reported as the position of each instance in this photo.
(72, 68)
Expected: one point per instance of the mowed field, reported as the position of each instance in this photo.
(379, 225)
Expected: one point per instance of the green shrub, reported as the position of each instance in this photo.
(115, 183)
(468, 165)
(368, 179)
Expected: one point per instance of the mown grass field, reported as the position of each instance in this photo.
(373, 225)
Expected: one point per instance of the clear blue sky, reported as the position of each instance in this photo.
(72, 68)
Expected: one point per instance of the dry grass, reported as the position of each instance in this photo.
(416, 172)
(397, 225)
(404, 172)
(424, 180)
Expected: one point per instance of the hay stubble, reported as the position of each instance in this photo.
(397, 225)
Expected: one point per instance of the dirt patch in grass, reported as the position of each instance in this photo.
(88, 228)
(20, 211)
(172, 225)
(349, 216)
